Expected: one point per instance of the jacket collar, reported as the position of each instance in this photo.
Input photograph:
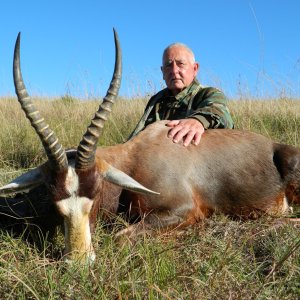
(183, 96)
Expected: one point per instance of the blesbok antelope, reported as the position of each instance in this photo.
(159, 184)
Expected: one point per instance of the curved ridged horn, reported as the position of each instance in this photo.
(87, 147)
(55, 152)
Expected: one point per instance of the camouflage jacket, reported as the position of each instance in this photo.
(206, 104)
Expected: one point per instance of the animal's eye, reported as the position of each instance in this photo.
(297, 191)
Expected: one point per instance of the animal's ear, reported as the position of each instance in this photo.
(123, 180)
(23, 183)
(286, 159)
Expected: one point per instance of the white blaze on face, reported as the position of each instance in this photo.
(75, 211)
(286, 209)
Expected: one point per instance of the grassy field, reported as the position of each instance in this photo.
(217, 259)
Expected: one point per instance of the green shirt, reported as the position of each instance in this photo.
(206, 104)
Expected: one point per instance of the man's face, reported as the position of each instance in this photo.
(178, 69)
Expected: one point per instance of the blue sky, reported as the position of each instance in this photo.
(248, 48)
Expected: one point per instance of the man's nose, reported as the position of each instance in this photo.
(173, 67)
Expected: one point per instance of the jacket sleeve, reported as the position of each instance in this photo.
(210, 108)
(142, 123)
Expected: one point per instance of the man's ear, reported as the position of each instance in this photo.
(162, 70)
(196, 67)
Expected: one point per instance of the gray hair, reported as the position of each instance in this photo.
(177, 44)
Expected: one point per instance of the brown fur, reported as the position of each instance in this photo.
(234, 172)
(238, 173)
(57, 182)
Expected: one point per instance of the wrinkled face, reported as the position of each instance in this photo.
(179, 68)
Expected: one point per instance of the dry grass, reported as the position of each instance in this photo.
(277, 119)
(218, 259)
(69, 118)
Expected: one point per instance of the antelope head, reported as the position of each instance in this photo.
(73, 183)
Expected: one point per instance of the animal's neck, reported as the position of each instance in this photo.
(119, 156)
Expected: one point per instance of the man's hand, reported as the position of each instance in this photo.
(186, 130)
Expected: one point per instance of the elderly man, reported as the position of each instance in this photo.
(190, 107)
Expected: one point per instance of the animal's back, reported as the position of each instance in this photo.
(230, 170)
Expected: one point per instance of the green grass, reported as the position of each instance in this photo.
(218, 258)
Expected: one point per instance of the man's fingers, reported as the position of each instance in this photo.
(188, 138)
(180, 134)
(186, 130)
(197, 138)
(173, 123)
(172, 132)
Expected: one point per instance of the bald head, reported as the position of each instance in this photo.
(179, 45)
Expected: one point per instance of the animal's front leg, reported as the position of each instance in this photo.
(151, 223)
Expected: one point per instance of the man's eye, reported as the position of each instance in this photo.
(169, 65)
(181, 64)
(166, 65)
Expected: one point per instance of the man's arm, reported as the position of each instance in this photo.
(149, 107)
(209, 110)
